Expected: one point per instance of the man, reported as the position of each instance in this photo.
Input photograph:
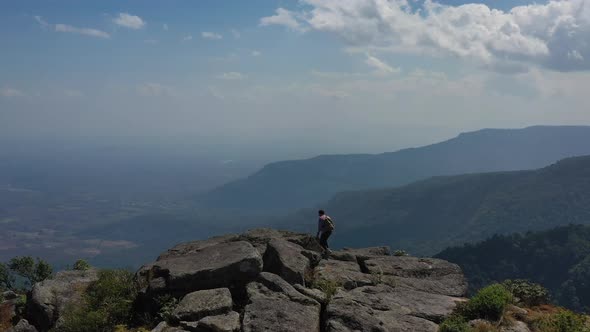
(325, 228)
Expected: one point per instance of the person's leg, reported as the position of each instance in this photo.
(324, 240)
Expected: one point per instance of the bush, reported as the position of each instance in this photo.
(526, 292)
(454, 323)
(166, 304)
(81, 265)
(400, 253)
(329, 287)
(27, 268)
(562, 321)
(108, 302)
(489, 303)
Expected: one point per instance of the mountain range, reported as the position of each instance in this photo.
(288, 185)
(430, 215)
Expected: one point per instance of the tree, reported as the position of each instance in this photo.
(6, 278)
(25, 267)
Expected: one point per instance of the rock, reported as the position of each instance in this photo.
(23, 326)
(49, 298)
(518, 326)
(164, 327)
(425, 274)
(285, 259)
(276, 306)
(260, 237)
(192, 247)
(362, 254)
(213, 266)
(9, 295)
(199, 304)
(315, 294)
(222, 323)
(343, 273)
(383, 308)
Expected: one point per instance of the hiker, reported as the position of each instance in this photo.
(325, 228)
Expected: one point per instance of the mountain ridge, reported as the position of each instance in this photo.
(293, 184)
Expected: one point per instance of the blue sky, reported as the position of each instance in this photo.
(380, 74)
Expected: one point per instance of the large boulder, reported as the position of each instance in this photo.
(425, 274)
(214, 266)
(229, 322)
(274, 305)
(23, 326)
(343, 273)
(384, 308)
(199, 304)
(287, 260)
(50, 298)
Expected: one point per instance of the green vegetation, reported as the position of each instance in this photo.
(108, 302)
(23, 270)
(489, 303)
(400, 252)
(527, 293)
(6, 278)
(166, 304)
(455, 323)
(329, 287)
(32, 272)
(81, 265)
(558, 259)
(562, 321)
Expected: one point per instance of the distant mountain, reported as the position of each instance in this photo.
(559, 259)
(301, 183)
(430, 215)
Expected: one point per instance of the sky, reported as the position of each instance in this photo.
(296, 77)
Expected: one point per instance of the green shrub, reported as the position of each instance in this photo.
(27, 268)
(81, 265)
(489, 303)
(454, 323)
(166, 304)
(400, 253)
(329, 287)
(563, 321)
(108, 302)
(527, 293)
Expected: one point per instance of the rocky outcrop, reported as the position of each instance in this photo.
(197, 305)
(269, 280)
(23, 326)
(274, 305)
(425, 274)
(50, 298)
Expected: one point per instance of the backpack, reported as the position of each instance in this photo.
(329, 223)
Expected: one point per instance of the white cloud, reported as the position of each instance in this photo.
(554, 34)
(236, 33)
(256, 53)
(11, 93)
(381, 68)
(129, 21)
(211, 35)
(187, 38)
(283, 17)
(156, 90)
(165, 27)
(72, 29)
(82, 31)
(234, 76)
(41, 21)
